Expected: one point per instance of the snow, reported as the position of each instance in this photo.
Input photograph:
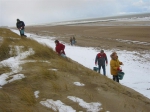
(57, 106)
(78, 84)
(137, 70)
(36, 93)
(91, 107)
(61, 107)
(13, 63)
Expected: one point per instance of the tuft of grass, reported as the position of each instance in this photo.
(4, 32)
(49, 74)
(4, 49)
(27, 95)
(88, 94)
(66, 87)
(55, 86)
(4, 101)
(4, 70)
(65, 66)
(4, 97)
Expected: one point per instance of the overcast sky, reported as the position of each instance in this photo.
(47, 11)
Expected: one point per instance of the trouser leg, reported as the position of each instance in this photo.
(22, 32)
(115, 78)
(99, 68)
(104, 69)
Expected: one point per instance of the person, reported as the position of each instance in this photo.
(101, 58)
(21, 26)
(60, 48)
(115, 66)
(71, 40)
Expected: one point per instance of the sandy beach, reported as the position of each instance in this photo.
(129, 38)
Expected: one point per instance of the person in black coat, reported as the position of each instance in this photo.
(21, 26)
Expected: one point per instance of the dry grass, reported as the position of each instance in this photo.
(4, 70)
(27, 95)
(5, 49)
(49, 74)
(41, 51)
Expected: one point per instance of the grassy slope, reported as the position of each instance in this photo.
(18, 96)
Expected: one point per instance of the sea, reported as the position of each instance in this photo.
(121, 20)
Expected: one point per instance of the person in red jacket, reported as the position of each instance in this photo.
(60, 48)
(101, 58)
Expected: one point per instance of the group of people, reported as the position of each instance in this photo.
(101, 60)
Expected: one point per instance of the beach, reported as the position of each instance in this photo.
(130, 38)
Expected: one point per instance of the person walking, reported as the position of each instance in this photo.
(60, 48)
(70, 40)
(101, 59)
(73, 41)
(21, 26)
(115, 66)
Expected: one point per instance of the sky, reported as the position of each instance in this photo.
(34, 12)
(136, 70)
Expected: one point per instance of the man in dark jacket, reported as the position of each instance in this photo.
(20, 25)
(101, 58)
(60, 48)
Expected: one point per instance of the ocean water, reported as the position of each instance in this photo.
(121, 20)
